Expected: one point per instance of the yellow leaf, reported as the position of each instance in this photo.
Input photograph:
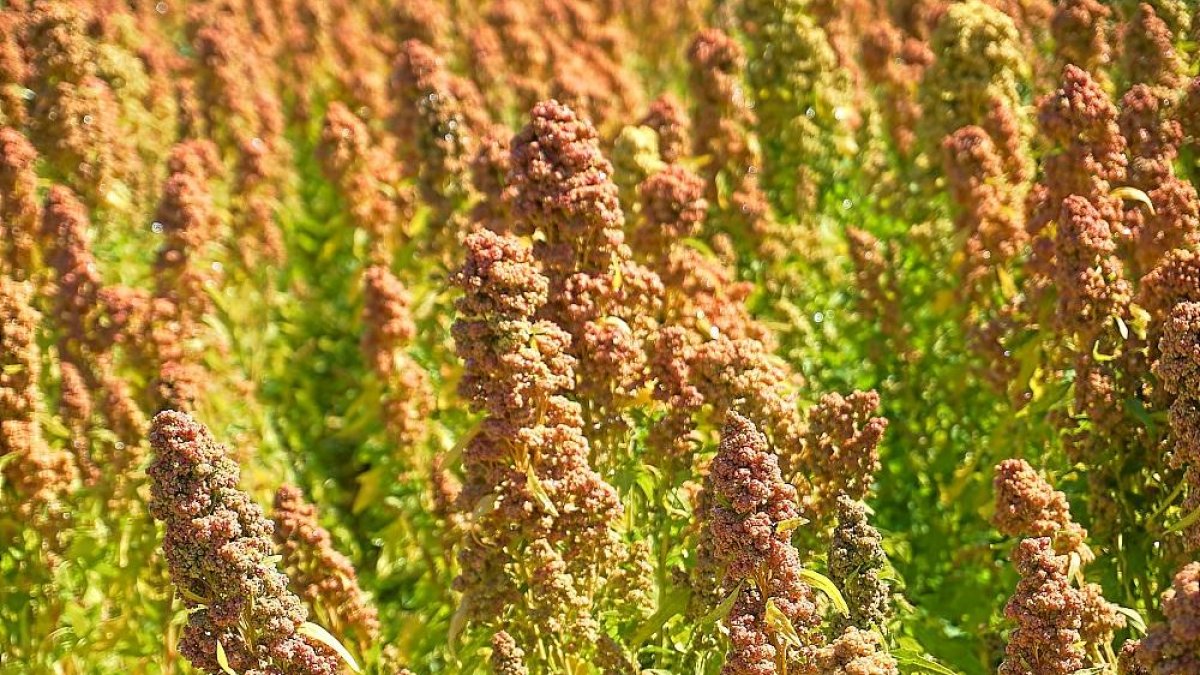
(1134, 194)
(539, 491)
(1187, 521)
(617, 322)
(1007, 285)
(780, 623)
(1135, 619)
(370, 486)
(311, 630)
(789, 524)
(223, 660)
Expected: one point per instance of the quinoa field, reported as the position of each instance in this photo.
(600, 337)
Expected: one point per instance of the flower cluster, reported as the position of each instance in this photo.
(13, 70)
(75, 405)
(990, 211)
(189, 224)
(238, 108)
(1054, 616)
(387, 329)
(324, 577)
(879, 301)
(20, 211)
(365, 175)
(673, 209)
(1153, 135)
(67, 247)
(1082, 34)
(543, 518)
(1055, 621)
(841, 451)
(437, 119)
(750, 501)
(1088, 274)
(895, 63)
(979, 61)
(1171, 647)
(1177, 369)
(562, 188)
(218, 549)
(507, 658)
(722, 130)
(856, 564)
(1028, 506)
(1048, 613)
(489, 176)
(42, 475)
(1082, 123)
(1148, 51)
(801, 94)
(74, 119)
(669, 120)
(854, 652)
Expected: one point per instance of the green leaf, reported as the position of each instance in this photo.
(1135, 619)
(912, 659)
(223, 660)
(311, 630)
(826, 586)
(722, 610)
(700, 246)
(370, 487)
(672, 604)
(458, 622)
(1188, 520)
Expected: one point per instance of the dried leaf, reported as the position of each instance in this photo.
(1133, 194)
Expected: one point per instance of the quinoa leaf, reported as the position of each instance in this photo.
(781, 624)
(722, 610)
(223, 660)
(311, 630)
(906, 657)
(1135, 619)
(539, 491)
(826, 586)
(1133, 194)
